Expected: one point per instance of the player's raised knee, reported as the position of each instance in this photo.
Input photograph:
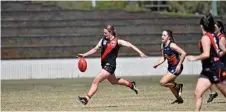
(162, 83)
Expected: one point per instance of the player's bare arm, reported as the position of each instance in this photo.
(160, 61)
(222, 46)
(180, 51)
(92, 51)
(129, 45)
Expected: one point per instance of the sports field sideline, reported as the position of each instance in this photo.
(61, 95)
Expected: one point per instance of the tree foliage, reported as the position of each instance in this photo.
(192, 7)
(182, 7)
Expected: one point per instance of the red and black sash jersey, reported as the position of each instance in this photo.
(223, 59)
(221, 36)
(109, 51)
(214, 49)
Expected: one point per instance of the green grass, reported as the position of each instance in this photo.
(61, 95)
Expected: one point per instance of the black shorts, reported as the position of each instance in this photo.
(172, 69)
(109, 69)
(215, 73)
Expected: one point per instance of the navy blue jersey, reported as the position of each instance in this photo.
(223, 59)
(171, 55)
(109, 51)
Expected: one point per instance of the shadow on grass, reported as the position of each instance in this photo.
(220, 102)
(99, 106)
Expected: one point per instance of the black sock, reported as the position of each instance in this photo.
(175, 85)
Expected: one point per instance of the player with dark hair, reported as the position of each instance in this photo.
(175, 56)
(110, 45)
(212, 67)
(220, 32)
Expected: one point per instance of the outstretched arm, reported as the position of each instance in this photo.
(205, 41)
(160, 61)
(128, 44)
(92, 51)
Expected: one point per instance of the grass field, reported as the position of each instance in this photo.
(61, 95)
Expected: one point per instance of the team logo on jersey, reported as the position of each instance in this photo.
(166, 49)
(172, 70)
(215, 78)
(105, 42)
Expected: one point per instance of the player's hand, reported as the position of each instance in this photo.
(155, 66)
(178, 68)
(190, 58)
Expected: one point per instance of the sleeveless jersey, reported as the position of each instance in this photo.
(109, 51)
(172, 56)
(214, 49)
(223, 59)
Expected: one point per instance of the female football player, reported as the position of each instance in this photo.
(211, 64)
(109, 45)
(175, 56)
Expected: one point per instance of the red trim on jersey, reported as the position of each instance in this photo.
(110, 46)
(212, 41)
(221, 36)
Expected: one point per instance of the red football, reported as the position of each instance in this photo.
(82, 65)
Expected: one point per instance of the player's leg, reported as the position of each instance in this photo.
(168, 81)
(217, 76)
(221, 74)
(175, 92)
(99, 78)
(221, 85)
(120, 81)
(202, 85)
(213, 94)
(170, 78)
(222, 88)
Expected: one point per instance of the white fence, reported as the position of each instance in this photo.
(67, 68)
